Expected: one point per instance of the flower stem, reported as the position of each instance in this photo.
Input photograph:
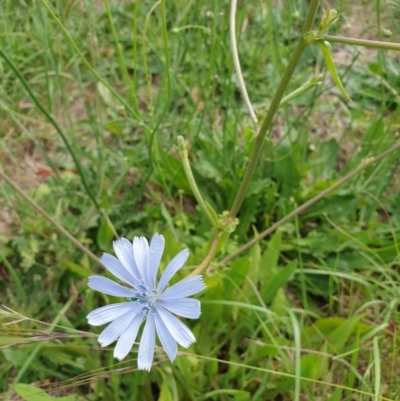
(266, 124)
(189, 175)
(309, 203)
(204, 264)
(373, 44)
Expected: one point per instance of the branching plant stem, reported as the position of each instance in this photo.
(266, 124)
(372, 44)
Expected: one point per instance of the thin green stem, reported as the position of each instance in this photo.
(189, 175)
(109, 223)
(309, 203)
(310, 18)
(258, 146)
(236, 63)
(377, 368)
(50, 219)
(297, 354)
(373, 44)
(259, 142)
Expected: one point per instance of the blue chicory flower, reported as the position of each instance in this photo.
(147, 300)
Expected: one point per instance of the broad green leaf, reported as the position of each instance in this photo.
(79, 270)
(335, 205)
(276, 281)
(62, 356)
(248, 213)
(269, 260)
(212, 368)
(215, 287)
(338, 337)
(280, 303)
(336, 395)
(324, 160)
(237, 274)
(222, 242)
(334, 330)
(327, 53)
(213, 213)
(314, 366)
(165, 391)
(255, 258)
(106, 95)
(105, 235)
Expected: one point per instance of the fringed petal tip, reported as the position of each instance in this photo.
(146, 368)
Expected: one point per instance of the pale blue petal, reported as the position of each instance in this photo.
(108, 313)
(167, 341)
(115, 267)
(173, 266)
(108, 287)
(176, 328)
(155, 253)
(124, 251)
(184, 288)
(141, 253)
(185, 307)
(147, 343)
(115, 329)
(128, 337)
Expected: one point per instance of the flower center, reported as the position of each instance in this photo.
(146, 296)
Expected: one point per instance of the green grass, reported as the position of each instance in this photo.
(309, 312)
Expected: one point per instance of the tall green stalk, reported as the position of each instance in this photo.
(266, 124)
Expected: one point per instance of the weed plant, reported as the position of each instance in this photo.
(124, 118)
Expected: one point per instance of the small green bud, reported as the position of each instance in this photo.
(329, 18)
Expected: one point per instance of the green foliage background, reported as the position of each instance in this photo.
(319, 297)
